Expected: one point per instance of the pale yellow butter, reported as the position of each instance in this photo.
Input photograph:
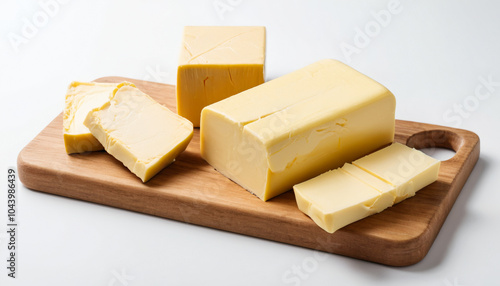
(407, 169)
(141, 133)
(82, 97)
(387, 191)
(215, 63)
(333, 200)
(295, 127)
(336, 199)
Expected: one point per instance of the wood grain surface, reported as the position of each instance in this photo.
(190, 190)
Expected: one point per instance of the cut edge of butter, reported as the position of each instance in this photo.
(386, 190)
(77, 138)
(404, 178)
(346, 212)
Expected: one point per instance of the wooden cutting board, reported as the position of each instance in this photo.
(190, 190)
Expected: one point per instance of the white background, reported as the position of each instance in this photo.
(433, 55)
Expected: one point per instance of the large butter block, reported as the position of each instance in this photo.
(407, 169)
(215, 63)
(295, 127)
(333, 200)
(82, 97)
(141, 133)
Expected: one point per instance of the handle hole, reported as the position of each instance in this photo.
(438, 153)
(439, 144)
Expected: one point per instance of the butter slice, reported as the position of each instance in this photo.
(406, 168)
(333, 201)
(82, 97)
(295, 127)
(336, 199)
(388, 192)
(215, 63)
(141, 133)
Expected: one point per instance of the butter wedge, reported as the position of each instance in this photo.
(342, 196)
(290, 129)
(82, 97)
(215, 63)
(141, 133)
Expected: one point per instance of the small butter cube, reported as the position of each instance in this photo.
(215, 63)
(293, 128)
(82, 97)
(141, 133)
(333, 201)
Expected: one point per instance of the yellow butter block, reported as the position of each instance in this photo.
(342, 196)
(82, 97)
(141, 133)
(295, 127)
(215, 63)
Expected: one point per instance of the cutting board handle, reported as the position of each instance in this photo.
(463, 142)
(436, 139)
